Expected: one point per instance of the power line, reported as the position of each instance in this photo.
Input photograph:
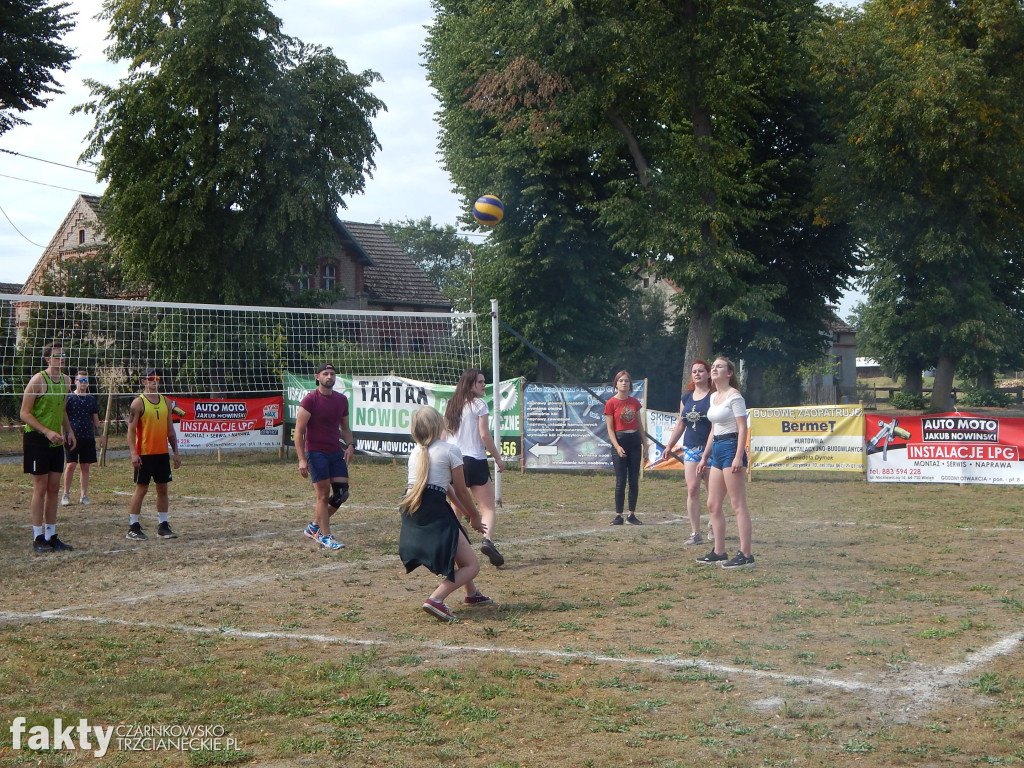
(37, 245)
(54, 186)
(51, 162)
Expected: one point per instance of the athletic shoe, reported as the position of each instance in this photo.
(58, 545)
(338, 498)
(84, 500)
(438, 610)
(739, 560)
(633, 520)
(312, 531)
(41, 545)
(711, 557)
(329, 542)
(695, 538)
(487, 548)
(478, 599)
(65, 500)
(135, 533)
(617, 520)
(164, 531)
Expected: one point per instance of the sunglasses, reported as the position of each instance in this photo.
(81, 379)
(58, 354)
(152, 378)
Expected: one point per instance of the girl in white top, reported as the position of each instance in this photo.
(726, 458)
(431, 534)
(466, 422)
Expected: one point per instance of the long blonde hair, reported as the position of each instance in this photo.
(427, 426)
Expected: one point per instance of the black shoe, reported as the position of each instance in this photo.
(339, 498)
(617, 520)
(739, 560)
(135, 533)
(164, 531)
(633, 520)
(488, 548)
(58, 545)
(711, 557)
(41, 545)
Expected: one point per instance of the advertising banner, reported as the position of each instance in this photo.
(252, 422)
(945, 448)
(659, 426)
(564, 426)
(810, 437)
(381, 409)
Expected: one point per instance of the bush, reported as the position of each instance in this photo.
(984, 398)
(908, 401)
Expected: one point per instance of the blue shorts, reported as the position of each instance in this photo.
(692, 454)
(723, 451)
(326, 466)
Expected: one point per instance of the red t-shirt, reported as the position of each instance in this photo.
(626, 413)
(325, 415)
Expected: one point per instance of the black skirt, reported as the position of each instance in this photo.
(430, 536)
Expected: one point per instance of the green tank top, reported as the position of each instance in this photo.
(48, 407)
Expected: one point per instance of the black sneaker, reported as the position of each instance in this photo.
(164, 531)
(711, 557)
(487, 547)
(135, 533)
(633, 520)
(41, 545)
(58, 545)
(739, 560)
(617, 520)
(339, 498)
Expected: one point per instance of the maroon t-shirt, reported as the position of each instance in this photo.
(325, 415)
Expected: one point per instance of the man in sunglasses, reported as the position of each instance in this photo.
(46, 424)
(150, 429)
(83, 413)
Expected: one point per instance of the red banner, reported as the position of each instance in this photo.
(252, 422)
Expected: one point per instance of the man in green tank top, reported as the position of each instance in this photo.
(46, 428)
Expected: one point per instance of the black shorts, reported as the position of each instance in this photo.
(83, 453)
(477, 471)
(41, 458)
(155, 467)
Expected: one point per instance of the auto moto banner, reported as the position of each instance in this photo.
(230, 422)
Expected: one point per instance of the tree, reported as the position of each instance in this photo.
(228, 148)
(441, 252)
(929, 102)
(30, 52)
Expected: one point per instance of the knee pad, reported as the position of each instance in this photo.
(340, 495)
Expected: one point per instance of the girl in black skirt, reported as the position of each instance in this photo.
(432, 535)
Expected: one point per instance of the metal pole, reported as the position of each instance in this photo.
(496, 388)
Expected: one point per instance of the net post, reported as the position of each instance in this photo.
(496, 389)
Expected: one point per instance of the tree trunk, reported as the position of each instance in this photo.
(942, 389)
(753, 387)
(913, 381)
(698, 339)
(986, 380)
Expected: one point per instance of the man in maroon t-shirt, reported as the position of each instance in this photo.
(323, 415)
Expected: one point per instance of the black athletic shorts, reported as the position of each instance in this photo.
(83, 453)
(155, 467)
(477, 471)
(41, 458)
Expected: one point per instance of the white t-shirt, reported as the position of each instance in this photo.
(724, 417)
(468, 438)
(444, 457)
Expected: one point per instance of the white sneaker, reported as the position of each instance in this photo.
(65, 500)
(84, 500)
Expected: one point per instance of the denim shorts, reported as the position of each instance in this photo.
(723, 451)
(326, 466)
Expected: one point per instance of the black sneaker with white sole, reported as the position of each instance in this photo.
(711, 558)
(135, 533)
(164, 531)
(739, 560)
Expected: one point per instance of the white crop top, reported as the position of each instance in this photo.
(724, 417)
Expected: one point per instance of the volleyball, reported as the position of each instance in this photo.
(488, 210)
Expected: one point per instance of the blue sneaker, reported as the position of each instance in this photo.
(329, 542)
(312, 531)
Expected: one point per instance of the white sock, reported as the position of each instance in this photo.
(133, 519)
(161, 517)
(37, 531)
(48, 531)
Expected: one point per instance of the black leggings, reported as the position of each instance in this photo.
(627, 468)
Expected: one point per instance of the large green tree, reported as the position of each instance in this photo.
(929, 101)
(228, 148)
(30, 53)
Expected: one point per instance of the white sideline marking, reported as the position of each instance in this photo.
(924, 688)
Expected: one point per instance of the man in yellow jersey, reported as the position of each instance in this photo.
(150, 429)
(46, 424)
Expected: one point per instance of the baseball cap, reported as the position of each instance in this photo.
(150, 372)
(325, 367)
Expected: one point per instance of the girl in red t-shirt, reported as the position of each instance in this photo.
(629, 444)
